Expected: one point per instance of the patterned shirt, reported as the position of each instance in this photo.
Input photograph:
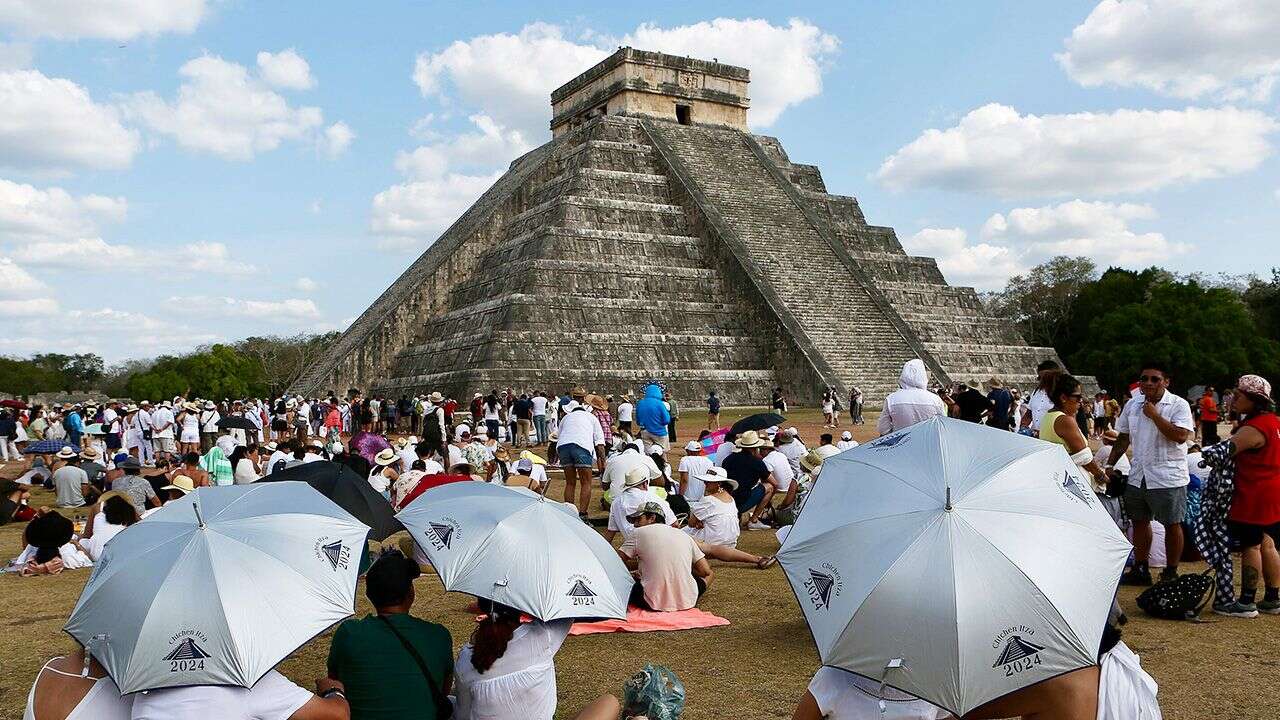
(606, 425)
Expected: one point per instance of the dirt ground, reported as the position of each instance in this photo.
(755, 669)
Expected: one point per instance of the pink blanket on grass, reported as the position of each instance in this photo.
(647, 621)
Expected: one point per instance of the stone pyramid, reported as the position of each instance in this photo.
(655, 237)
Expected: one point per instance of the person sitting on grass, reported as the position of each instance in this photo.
(755, 489)
(117, 514)
(63, 690)
(507, 670)
(13, 497)
(713, 521)
(371, 656)
(671, 569)
(834, 694)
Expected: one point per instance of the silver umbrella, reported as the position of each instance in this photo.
(218, 587)
(955, 561)
(519, 549)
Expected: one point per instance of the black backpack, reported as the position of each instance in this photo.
(1181, 598)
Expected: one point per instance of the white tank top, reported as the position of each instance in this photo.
(102, 702)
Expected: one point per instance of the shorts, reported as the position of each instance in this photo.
(1249, 535)
(652, 439)
(748, 502)
(637, 593)
(165, 444)
(1167, 506)
(572, 455)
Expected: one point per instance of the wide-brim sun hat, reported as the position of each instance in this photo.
(578, 392)
(501, 454)
(89, 454)
(182, 483)
(386, 457)
(718, 475)
(597, 402)
(636, 477)
(811, 460)
(209, 405)
(436, 397)
(190, 407)
(749, 439)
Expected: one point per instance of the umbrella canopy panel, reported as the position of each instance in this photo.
(351, 492)
(1005, 585)
(759, 421)
(175, 601)
(491, 541)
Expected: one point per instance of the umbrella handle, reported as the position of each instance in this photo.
(894, 663)
(84, 672)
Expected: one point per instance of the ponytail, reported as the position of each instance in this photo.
(490, 638)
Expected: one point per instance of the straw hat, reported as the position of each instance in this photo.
(182, 483)
(718, 475)
(190, 407)
(501, 454)
(749, 439)
(386, 457)
(636, 477)
(597, 402)
(209, 405)
(66, 453)
(89, 454)
(436, 397)
(811, 460)
(578, 392)
(401, 442)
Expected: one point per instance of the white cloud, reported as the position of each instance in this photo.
(316, 207)
(114, 334)
(983, 266)
(1097, 230)
(53, 125)
(110, 19)
(337, 138)
(28, 212)
(1225, 49)
(994, 149)
(15, 56)
(21, 294)
(510, 77)
(285, 69)
(306, 284)
(222, 109)
(94, 253)
(290, 310)
(443, 180)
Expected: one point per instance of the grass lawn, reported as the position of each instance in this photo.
(756, 668)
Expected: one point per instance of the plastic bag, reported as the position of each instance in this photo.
(655, 693)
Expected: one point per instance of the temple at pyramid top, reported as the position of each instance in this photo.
(654, 237)
(637, 83)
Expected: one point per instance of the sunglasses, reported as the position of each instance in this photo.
(1151, 378)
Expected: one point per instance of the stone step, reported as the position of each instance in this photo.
(613, 184)
(688, 386)
(557, 241)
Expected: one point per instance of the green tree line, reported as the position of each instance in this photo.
(1209, 330)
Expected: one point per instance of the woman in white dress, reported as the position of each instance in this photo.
(508, 669)
(189, 420)
(713, 522)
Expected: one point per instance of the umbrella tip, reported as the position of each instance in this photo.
(195, 505)
(948, 508)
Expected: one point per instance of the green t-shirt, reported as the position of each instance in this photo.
(381, 678)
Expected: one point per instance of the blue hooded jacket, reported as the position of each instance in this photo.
(651, 413)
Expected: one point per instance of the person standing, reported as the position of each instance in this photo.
(855, 406)
(1040, 403)
(713, 411)
(626, 413)
(1158, 425)
(911, 402)
(162, 424)
(539, 402)
(74, 425)
(209, 418)
(652, 415)
(673, 411)
(1060, 427)
(579, 447)
(1000, 415)
(972, 404)
(1255, 503)
(1208, 417)
(523, 410)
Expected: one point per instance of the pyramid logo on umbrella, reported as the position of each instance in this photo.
(1016, 649)
(822, 584)
(580, 589)
(1070, 484)
(333, 552)
(187, 650)
(443, 533)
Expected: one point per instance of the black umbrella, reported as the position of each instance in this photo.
(236, 422)
(350, 491)
(759, 421)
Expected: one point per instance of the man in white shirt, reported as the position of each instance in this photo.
(693, 464)
(579, 447)
(617, 465)
(792, 448)
(209, 417)
(539, 401)
(635, 494)
(674, 572)
(162, 422)
(911, 402)
(626, 411)
(779, 473)
(146, 425)
(1158, 424)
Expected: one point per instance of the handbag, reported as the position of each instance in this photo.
(1181, 598)
(444, 708)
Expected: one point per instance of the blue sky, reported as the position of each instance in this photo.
(174, 172)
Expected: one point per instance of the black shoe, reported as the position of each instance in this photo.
(1168, 574)
(1136, 576)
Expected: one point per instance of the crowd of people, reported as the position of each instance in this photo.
(1157, 456)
